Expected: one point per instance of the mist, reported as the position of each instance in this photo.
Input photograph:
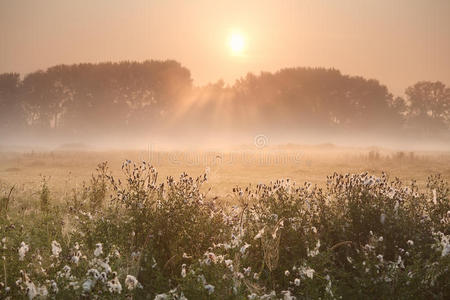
(136, 105)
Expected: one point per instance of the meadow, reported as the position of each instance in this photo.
(242, 166)
(292, 222)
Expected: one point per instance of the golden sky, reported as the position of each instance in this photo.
(398, 42)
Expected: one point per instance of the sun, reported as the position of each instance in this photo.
(236, 43)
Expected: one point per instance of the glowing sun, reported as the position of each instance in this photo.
(236, 43)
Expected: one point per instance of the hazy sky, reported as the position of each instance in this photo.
(398, 42)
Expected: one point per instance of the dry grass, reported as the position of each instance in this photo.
(227, 169)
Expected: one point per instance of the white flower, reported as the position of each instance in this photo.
(410, 242)
(287, 273)
(272, 295)
(94, 273)
(99, 249)
(209, 288)
(287, 295)
(23, 250)
(114, 285)
(328, 287)
(76, 258)
(259, 235)
(229, 264)
(131, 282)
(243, 248)
(297, 281)
(247, 271)
(103, 264)
(161, 297)
(308, 272)
(396, 206)
(315, 252)
(382, 218)
(54, 286)
(252, 296)
(445, 242)
(65, 272)
(56, 249)
(32, 291)
(380, 239)
(87, 285)
(42, 291)
(183, 270)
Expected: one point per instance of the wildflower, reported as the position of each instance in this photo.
(115, 253)
(31, 289)
(268, 296)
(201, 278)
(297, 281)
(247, 271)
(259, 235)
(314, 252)
(76, 258)
(287, 273)
(161, 297)
(65, 272)
(400, 262)
(88, 285)
(98, 249)
(369, 181)
(94, 273)
(308, 272)
(252, 296)
(209, 288)
(382, 218)
(328, 287)
(287, 295)
(114, 285)
(380, 239)
(23, 250)
(183, 270)
(445, 242)
(243, 248)
(396, 206)
(104, 265)
(391, 195)
(380, 257)
(229, 264)
(42, 291)
(54, 286)
(56, 249)
(410, 243)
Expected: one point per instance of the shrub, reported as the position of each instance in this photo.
(359, 237)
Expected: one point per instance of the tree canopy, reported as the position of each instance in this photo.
(159, 96)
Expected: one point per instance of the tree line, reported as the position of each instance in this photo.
(159, 96)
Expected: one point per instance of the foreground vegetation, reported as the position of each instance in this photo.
(135, 238)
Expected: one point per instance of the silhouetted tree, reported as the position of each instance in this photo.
(12, 116)
(158, 97)
(428, 107)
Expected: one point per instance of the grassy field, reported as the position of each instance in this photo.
(67, 169)
(133, 235)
